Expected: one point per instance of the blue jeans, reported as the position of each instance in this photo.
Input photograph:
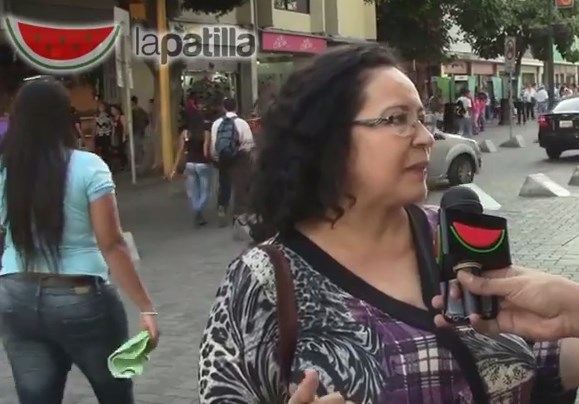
(465, 127)
(197, 184)
(45, 330)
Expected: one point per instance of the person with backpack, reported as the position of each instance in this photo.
(231, 146)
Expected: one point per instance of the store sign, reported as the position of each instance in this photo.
(510, 54)
(565, 3)
(275, 42)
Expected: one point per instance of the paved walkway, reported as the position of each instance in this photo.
(183, 266)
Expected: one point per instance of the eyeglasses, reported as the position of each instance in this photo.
(404, 124)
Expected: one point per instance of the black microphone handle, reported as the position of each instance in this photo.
(471, 302)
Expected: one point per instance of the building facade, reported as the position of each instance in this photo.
(293, 30)
(289, 32)
(466, 63)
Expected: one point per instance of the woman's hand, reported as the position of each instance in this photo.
(306, 392)
(533, 304)
(149, 323)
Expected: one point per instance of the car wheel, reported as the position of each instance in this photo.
(553, 154)
(461, 170)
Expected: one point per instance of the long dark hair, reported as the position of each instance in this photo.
(302, 163)
(34, 155)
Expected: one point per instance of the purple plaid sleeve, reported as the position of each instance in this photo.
(547, 357)
(432, 215)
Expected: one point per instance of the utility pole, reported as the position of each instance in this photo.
(550, 65)
(165, 97)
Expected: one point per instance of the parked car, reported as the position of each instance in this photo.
(454, 158)
(559, 128)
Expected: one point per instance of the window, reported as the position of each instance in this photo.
(299, 6)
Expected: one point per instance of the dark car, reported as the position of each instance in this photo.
(559, 128)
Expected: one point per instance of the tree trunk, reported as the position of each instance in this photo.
(176, 96)
(175, 71)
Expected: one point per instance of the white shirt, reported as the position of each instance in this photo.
(542, 95)
(246, 142)
(467, 104)
(529, 94)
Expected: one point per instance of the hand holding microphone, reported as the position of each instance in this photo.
(534, 305)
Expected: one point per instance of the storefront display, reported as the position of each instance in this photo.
(210, 88)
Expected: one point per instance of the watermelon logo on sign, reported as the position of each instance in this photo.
(61, 49)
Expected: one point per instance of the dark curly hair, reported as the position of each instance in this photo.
(301, 166)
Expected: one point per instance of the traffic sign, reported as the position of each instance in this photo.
(510, 54)
(564, 3)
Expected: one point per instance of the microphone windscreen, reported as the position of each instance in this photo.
(461, 198)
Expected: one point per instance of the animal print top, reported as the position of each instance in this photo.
(368, 346)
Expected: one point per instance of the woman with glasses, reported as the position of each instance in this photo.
(339, 191)
(63, 237)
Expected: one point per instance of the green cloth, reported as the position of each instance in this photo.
(130, 358)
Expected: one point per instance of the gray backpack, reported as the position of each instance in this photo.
(227, 141)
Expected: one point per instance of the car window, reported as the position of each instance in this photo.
(570, 105)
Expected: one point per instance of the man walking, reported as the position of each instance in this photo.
(231, 146)
(140, 123)
(464, 111)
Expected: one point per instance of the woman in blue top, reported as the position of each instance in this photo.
(57, 307)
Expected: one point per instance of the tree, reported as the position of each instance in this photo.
(419, 30)
(218, 7)
(486, 23)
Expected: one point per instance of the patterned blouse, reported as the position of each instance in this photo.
(368, 346)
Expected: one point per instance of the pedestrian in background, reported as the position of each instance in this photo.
(480, 104)
(520, 107)
(140, 123)
(231, 146)
(194, 146)
(120, 136)
(76, 127)
(103, 131)
(464, 112)
(529, 96)
(63, 238)
(542, 98)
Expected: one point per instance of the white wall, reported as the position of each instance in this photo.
(143, 82)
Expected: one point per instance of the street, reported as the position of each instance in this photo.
(183, 266)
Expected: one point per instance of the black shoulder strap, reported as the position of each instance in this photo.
(430, 283)
(424, 236)
(287, 314)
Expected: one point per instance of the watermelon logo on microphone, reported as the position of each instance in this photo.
(61, 49)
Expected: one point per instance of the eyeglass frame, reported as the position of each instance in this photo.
(388, 121)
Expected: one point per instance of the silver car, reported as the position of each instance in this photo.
(454, 158)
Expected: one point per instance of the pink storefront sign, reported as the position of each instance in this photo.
(276, 42)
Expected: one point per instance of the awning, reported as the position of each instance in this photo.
(339, 39)
(87, 11)
(277, 41)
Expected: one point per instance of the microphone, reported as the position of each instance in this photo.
(465, 200)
